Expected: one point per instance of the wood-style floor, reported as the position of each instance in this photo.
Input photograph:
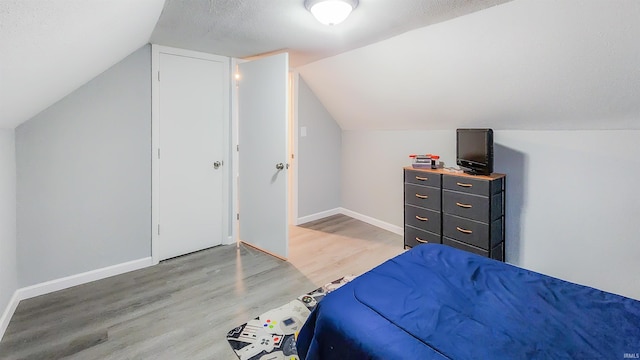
(182, 308)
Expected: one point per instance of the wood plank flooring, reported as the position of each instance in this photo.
(182, 308)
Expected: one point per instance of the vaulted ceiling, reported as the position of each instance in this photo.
(401, 64)
(48, 48)
(525, 65)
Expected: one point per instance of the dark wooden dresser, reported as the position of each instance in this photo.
(456, 209)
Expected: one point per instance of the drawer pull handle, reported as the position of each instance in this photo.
(420, 240)
(466, 206)
(421, 178)
(464, 185)
(420, 196)
(421, 218)
(464, 231)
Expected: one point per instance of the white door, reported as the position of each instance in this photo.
(193, 107)
(263, 139)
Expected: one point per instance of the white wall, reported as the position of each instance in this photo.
(84, 177)
(319, 156)
(8, 266)
(571, 205)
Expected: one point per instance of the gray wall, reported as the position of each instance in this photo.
(84, 177)
(8, 266)
(319, 156)
(571, 210)
(378, 157)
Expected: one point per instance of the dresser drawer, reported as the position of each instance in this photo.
(465, 247)
(425, 178)
(423, 219)
(414, 237)
(472, 232)
(468, 231)
(466, 205)
(466, 185)
(423, 196)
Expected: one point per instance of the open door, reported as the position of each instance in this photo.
(263, 137)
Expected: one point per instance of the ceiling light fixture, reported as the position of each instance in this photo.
(330, 12)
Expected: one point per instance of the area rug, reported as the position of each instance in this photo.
(274, 333)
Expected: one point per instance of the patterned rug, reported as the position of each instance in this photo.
(274, 333)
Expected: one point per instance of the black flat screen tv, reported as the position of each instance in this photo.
(474, 150)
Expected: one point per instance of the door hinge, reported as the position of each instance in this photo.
(237, 147)
(158, 75)
(238, 216)
(158, 229)
(158, 153)
(292, 156)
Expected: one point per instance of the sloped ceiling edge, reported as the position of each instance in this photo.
(50, 48)
(525, 64)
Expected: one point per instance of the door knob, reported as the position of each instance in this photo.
(280, 166)
(217, 164)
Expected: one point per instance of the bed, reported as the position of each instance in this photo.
(437, 302)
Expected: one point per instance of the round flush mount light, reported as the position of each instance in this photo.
(331, 12)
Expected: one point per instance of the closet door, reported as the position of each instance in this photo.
(193, 95)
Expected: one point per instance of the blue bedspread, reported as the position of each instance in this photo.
(436, 302)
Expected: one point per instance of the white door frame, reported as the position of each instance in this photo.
(235, 231)
(155, 136)
(294, 79)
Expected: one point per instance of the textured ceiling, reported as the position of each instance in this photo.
(526, 64)
(246, 28)
(48, 48)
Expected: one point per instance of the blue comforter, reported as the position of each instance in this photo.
(436, 302)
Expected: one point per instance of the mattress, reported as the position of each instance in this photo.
(437, 302)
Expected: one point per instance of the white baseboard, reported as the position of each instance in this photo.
(318, 216)
(375, 222)
(368, 219)
(83, 278)
(8, 313)
(67, 282)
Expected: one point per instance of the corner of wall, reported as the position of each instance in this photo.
(8, 258)
(8, 313)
